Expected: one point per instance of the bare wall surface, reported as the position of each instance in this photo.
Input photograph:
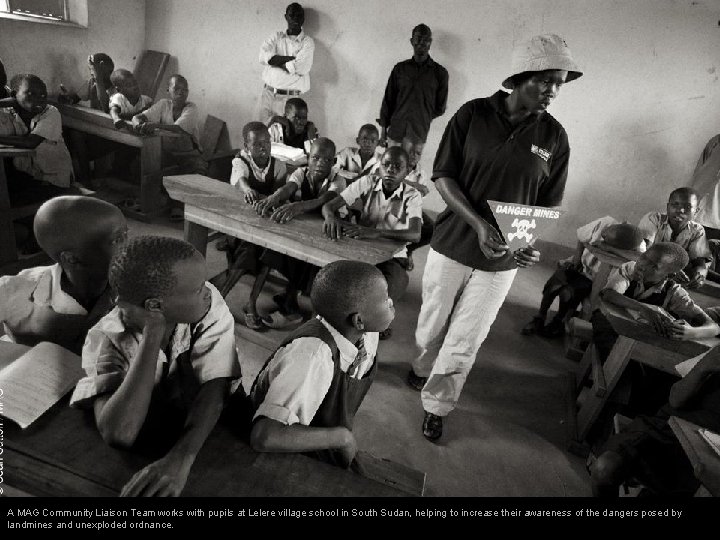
(58, 54)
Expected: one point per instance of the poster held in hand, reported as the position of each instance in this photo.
(520, 224)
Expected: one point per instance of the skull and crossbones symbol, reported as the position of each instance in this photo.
(522, 226)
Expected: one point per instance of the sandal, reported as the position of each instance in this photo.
(280, 321)
(432, 426)
(252, 321)
(415, 381)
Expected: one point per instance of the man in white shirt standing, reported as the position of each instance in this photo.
(287, 57)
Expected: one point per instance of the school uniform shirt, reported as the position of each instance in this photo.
(38, 286)
(205, 349)
(301, 372)
(161, 112)
(334, 182)
(280, 134)
(706, 181)
(391, 213)
(297, 76)
(241, 171)
(51, 162)
(415, 94)
(656, 228)
(677, 300)
(489, 158)
(348, 159)
(119, 100)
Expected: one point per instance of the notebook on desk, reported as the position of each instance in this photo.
(37, 380)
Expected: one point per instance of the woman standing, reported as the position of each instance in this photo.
(506, 148)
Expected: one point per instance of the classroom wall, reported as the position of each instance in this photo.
(59, 53)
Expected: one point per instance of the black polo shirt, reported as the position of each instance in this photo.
(490, 158)
(414, 95)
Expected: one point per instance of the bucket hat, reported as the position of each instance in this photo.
(540, 53)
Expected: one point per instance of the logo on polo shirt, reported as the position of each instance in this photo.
(544, 154)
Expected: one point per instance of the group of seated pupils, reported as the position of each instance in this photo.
(157, 339)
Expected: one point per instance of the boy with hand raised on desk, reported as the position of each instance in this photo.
(127, 101)
(162, 364)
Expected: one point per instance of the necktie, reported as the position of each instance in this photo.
(359, 357)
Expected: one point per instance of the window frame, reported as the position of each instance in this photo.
(76, 13)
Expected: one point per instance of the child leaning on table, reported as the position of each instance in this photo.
(293, 129)
(127, 101)
(307, 393)
(388, 208)
(161, 365)
(647, 449)
(61, 302)
(306, 191)
(573, 280)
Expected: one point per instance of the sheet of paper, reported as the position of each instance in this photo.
(283, 151)
(36, 381)
(684, 367)
(712, 438)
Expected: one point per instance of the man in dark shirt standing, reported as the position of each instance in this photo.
(507, 148)
(416, 93)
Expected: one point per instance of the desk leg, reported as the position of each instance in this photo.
(150, 175)
(8, 251)
(614, 367)
(197, 235)
(598, 285)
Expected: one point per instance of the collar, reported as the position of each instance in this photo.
(299, 37)
(345, 347)
(397, 194)
(497, 102)
(429, 62)
(244, 153)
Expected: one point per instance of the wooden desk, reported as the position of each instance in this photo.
(705, 462)
(10, 262)
(639, 342)
(211, 204)
(62, 455)
(101, 125)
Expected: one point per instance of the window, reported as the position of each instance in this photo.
(59, 12)
(55, 10)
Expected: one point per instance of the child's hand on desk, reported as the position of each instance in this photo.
(266, 206)
(333, 227)
(679, 330)
(141, 318)
(359, 232)
(658, 320)
(251, 196)
(287, 212)
(166, 477)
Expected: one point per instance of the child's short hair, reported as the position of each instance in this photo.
(685, 192)
(119, 75)
(102, 57)
(17, 80)
(341, 287)
(253, 127)
(178, 77)
(672, 250)
(295, 103)
(143, 267)
(372, 128)
(397, 151)
(324, 141)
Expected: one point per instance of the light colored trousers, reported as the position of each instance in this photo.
(271, 104)
(459, 305)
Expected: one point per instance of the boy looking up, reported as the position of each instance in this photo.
(354, 161)
(307, 393)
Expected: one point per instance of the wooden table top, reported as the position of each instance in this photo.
(62, 454)
(625, 325)
(705, 462)
(11, 151)
(220, 206)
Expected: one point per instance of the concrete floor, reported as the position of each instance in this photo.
(507, 436)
